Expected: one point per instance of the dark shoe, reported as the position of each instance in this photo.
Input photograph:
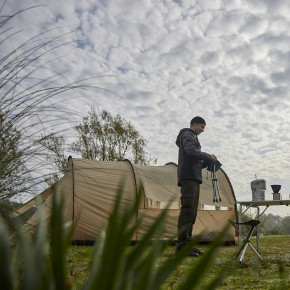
(199, 252)
(194, 254)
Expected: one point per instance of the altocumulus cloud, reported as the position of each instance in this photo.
(168, 61)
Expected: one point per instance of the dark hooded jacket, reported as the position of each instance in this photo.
(190, 158)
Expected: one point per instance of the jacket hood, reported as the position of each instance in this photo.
(180, 133)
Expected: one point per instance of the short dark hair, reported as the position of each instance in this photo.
(198, 120)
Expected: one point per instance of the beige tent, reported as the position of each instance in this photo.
(90, 188)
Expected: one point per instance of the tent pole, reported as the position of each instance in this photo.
(73, 180)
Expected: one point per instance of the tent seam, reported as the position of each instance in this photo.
(136, 190)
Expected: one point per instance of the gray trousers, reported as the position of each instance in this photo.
(189, 205)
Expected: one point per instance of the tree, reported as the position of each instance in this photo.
(102, 136)
(270, 224)
(12, 180)
(55, 155)
(286, 225)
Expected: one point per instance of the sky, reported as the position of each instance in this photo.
(159, 63)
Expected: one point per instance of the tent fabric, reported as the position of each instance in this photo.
(160, 184)
(90, 187)
(208, 224)
(226, 191)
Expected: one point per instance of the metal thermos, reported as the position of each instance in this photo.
(258, 188)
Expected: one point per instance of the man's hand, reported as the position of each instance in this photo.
(213, 157)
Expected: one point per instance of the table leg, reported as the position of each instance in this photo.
(240, 226)
(257, 229)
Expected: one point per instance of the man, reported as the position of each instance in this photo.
(190, 163)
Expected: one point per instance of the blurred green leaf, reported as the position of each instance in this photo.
(115, 264)
(195, 276)
(6, 266)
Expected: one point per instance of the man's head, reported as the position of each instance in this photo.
(197, 124)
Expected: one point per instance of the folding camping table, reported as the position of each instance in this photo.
(257, 205)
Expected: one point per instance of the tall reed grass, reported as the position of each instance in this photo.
(33, 107)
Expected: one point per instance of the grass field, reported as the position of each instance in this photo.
(273, 273)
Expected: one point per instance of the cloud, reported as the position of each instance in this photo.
(280, 78)
(161, 63)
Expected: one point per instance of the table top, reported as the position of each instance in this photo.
(264, 202)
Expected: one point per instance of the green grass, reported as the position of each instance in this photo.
(274, 273)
